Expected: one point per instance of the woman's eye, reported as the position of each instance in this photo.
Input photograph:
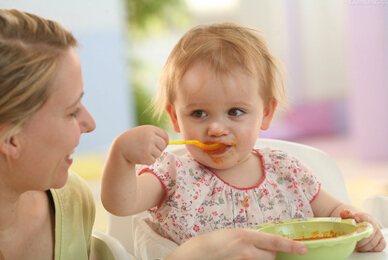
(76, 112)
(235, 112)
(198, 113)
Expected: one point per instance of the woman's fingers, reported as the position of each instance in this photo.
(277, 243)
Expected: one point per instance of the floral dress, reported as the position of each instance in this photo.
(198, 201)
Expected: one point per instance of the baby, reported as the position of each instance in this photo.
(220, 84)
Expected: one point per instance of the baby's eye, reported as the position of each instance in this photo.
(198, 113)
(235, 112)
(76, 112)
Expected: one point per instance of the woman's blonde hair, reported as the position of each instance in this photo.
(227, 49)
(30, 47)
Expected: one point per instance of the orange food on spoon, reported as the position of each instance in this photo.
(211, 148)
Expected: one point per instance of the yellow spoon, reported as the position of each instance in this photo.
(206, 147)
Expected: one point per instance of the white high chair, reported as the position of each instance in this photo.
(106, 247)
(377, 206)
(133, 228)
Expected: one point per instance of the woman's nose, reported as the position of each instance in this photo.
(86, 121)
(217, 129)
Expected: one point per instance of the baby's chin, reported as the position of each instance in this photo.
(219, 164)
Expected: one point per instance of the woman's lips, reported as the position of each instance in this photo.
(69, 158)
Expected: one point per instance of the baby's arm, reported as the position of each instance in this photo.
(325, 205)
(122, 191)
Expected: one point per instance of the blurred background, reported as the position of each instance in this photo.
(335, 52)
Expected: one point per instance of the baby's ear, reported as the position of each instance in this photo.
(174, 120)
(269, 112)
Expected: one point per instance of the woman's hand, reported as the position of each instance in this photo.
(373, 243)
(234, 244)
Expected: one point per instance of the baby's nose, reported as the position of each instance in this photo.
(218, 129)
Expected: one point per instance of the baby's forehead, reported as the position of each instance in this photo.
(208, 69)
(199, 76)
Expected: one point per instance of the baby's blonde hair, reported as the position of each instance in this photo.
(30, 48)
(227, 48)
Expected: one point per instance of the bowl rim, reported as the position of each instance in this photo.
(364, 229)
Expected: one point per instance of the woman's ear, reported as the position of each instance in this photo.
(174, 120)
(269, 112)
(10, 147)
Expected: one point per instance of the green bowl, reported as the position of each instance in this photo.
(325, 238)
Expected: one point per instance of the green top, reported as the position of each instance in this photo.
(74, 219)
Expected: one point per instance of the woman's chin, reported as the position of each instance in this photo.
(60, 182)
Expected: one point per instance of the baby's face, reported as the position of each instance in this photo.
(219, 108)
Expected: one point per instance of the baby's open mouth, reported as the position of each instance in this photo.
(217, 148)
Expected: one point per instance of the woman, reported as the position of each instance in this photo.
(46, 211)
(41, 121)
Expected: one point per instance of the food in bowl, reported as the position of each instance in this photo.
(325, 238)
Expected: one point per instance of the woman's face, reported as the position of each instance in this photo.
(48, 139)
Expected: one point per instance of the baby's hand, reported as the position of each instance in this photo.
(142, 144)
(373, 243)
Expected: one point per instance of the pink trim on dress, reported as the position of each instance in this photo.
(316, 195)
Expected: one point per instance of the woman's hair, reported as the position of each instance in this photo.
(225, 49)
(30, 48)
